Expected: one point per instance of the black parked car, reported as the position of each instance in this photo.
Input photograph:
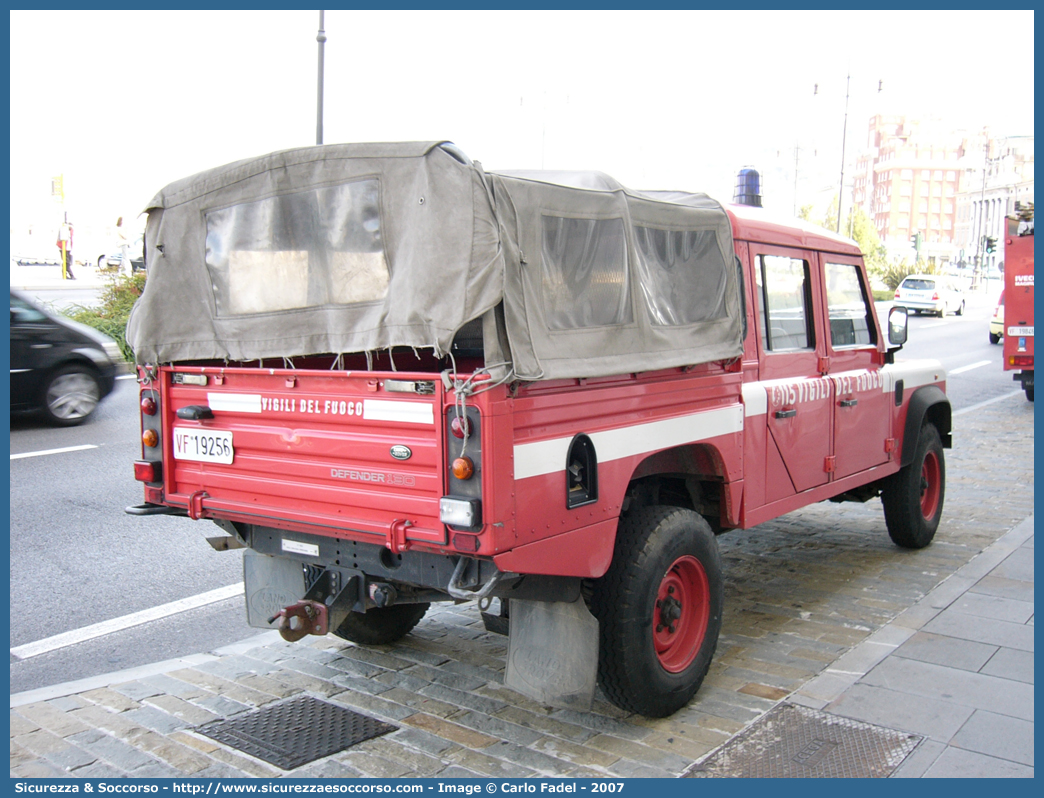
(58, 366)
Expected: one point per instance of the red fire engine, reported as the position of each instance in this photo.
(396, 378)
(1018, 297)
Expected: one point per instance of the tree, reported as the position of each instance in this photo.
(861, 228)
(864, 232)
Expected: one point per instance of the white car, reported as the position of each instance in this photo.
(930, 293)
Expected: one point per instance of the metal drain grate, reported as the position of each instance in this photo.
(295, 732)
(797, 742)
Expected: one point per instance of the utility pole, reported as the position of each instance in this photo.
(844, 136)
(321, 38)
(797, 150)
(982, 212)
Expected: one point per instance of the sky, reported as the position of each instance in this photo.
(123, 102)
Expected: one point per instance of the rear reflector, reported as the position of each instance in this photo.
(466, 542)
(148, 471)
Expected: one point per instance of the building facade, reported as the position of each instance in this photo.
(907, 180)
(997, 174)
(937, 194)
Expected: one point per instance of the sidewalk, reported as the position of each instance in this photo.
(955, 668)
(823, 615)
(42, 276)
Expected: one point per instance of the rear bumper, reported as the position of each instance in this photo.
(931, 307)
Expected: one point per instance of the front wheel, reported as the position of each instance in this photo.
(381, 624)
(659, 608)
(913, 497)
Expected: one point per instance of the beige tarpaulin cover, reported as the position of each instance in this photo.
(361, 247)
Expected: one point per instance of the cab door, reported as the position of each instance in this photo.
(862, 416)
(799, 398)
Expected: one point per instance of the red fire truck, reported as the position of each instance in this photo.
(1018, 297)
(397, 378)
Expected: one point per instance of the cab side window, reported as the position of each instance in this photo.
(848, 308)
(784, 303)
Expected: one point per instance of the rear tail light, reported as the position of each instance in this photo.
(148, 406)
(148, 471)
(1020, 360)
(460, 426)
(935, 297)
(896, 293)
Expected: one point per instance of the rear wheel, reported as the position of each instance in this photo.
(71, 395)
(659, 610)
(381, 624)
(960, 310)
(994, 339)
(913, 497)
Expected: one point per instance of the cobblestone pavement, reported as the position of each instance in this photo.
(801, 592)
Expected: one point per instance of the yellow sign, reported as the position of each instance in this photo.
(58, 187)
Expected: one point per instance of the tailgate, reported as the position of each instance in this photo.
(312, 450)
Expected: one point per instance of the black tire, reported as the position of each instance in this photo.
(1029, 392)
(913, 498)
(381, 624)
(648, 661)
(960, 310)
(994, 339)
(71, 395)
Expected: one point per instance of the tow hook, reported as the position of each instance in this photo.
(303, 618)
(382, 595)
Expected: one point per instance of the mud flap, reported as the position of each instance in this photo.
(553, 652)
(270, 583)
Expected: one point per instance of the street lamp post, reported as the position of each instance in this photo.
(321, 38)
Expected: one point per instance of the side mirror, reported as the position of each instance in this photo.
(897, 326)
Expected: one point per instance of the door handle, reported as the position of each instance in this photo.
(786, 413)
(849, 402)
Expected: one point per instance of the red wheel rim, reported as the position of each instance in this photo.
(681, 614)
(930, 485)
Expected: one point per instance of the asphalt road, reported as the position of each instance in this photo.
(962, 342)
(77, 559)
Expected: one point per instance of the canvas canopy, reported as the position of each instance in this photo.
(363, 247)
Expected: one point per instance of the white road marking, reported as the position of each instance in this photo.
(54, 451)
(96, 630)
(963, 369)
(981, 405)
(127, 377)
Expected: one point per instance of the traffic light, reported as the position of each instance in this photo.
(991, 244)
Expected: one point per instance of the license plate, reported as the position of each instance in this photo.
(1014, 332)
(203, 445)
